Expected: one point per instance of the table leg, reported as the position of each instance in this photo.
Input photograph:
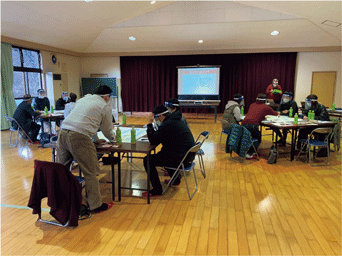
(113, 175)
(148, 177)
(276, 142)
(54, 155)
(293, 143)
(119, 177)
(215, 113)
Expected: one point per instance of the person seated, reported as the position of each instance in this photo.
(232, 112)
(176, 139)
(70, 106)
(173, 105)
(64, 99)
(284, 109)
(23, 115)
(41, 101)
(321, 113)
(274, 91)
(256, 113)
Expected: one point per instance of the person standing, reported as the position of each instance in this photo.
(74, 141)
(64, 99)
(24, 115)
(256, 113)
(176, 139)
(274, 91)
(232, 112)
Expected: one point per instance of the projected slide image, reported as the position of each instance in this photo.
(204, 84)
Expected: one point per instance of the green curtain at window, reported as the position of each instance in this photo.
(8, 105)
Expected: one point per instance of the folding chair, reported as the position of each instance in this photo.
(312, 142)
(203, 136)
(19, 130)
(224, 123)
(182, 168)
(60, 186)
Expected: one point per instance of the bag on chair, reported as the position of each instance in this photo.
(272, 156)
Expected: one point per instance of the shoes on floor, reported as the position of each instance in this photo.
(250, 157)
(166, 173)
(175, 183)
(104, 207)
(151, 195)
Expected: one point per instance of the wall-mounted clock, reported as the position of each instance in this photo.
(54, 59)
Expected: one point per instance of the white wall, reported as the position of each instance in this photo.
(66, 64)
(308, 62)
(103, 65)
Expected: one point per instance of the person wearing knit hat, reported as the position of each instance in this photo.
(23, 115)
(176, 139)
(232, 112)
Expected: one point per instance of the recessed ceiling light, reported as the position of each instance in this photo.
(88, 0)
(274, 33)
(200, 41)
(153, 2)
(132, 38)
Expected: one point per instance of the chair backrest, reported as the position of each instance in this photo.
(194, 150)
(205, 136)
(19, 128)
(324, 131)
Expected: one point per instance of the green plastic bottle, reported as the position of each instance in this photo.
(124, 118)
(312, 115)
(46, 111)
(242, 110)
(133, 136)
(52, 110)
(295, 120)
(333, 107)
(291, 112)
(309, 115)
(118, 136)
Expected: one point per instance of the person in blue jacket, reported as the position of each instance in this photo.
(24, 115)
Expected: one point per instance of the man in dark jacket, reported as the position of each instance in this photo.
(64, 99)
(176, 139)
(284, 109)
(41, 101)
(311, 103)
(23, 115)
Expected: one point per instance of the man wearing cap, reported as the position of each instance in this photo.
(176, 139)
(321, 113)
(173, 106)
(274, 91)
(23, 115)
(232, 112)
(64, 99)
(284, 109)
(41, 101)
(74, 142)
(256, 113)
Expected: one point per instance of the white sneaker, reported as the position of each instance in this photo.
(249, 156)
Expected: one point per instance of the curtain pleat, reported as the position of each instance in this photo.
(8, 105)
(148, 81)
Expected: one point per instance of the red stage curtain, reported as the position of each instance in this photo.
(148, 81)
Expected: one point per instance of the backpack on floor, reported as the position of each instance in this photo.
(272, 156)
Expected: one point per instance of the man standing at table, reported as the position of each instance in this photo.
(74, 142)
(23, 115)
(274, 91)
(256, 113)
(176, 139)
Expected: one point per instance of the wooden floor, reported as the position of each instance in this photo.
(249, 208)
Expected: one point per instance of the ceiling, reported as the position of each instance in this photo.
(174, 26)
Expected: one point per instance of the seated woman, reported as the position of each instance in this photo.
(70, 106)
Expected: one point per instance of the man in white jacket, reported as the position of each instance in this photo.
(91, 113)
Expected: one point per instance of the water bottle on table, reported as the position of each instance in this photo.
(118, 136)
(133, 136)
(46, 111)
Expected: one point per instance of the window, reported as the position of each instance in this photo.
(27, 72)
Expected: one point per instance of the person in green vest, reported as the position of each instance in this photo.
(232, 112)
